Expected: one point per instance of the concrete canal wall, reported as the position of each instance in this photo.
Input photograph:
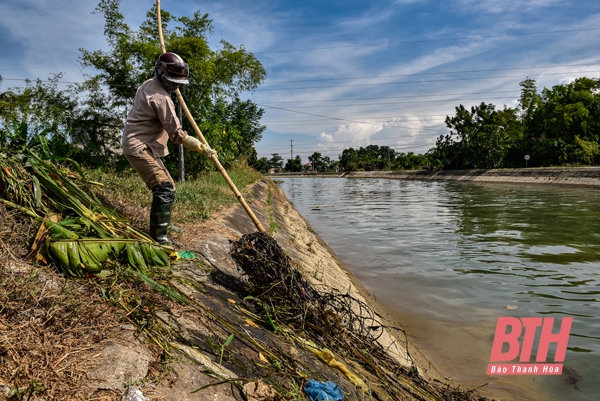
(585, 176)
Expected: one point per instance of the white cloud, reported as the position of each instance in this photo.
(41, 34)
(256, 31)
(409, 133)
(496, 7)
(355, 132)
(346, 136)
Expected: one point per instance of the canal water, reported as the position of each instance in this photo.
(447, 259)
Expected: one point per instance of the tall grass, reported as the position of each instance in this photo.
(196, 198)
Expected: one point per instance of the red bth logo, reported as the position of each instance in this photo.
(509, 331)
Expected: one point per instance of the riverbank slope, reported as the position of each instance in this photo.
(93, 339)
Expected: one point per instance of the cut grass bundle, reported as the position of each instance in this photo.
(82, 235)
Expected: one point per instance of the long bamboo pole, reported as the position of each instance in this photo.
(190, 118)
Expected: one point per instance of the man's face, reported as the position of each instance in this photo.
(170, 86)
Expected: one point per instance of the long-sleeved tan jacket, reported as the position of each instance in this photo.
(151, 122)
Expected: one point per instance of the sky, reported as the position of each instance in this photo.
(343, 74)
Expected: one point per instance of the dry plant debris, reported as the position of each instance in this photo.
(49, 329)
(333, 320)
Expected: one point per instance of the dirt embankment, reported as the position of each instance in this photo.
(588, 176)
(321, 267)
(216, 346)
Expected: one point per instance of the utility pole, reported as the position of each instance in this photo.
(292, 155)
(389, 162)
(181, 163)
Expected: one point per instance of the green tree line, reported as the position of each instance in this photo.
(555, 127)
(85, 121)
(370, 158)
(559, 126)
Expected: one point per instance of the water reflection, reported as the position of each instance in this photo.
(443, 255)
(557, 226)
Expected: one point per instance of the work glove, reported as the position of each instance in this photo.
(194, 144)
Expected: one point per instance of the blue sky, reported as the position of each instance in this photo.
(344, 74)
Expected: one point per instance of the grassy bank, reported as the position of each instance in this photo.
(197, 199)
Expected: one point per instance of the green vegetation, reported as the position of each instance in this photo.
(294, 164)
(227, 343)
(375, 157)
(84, 122)
(83, 236)
(196, 198)
(557, 127)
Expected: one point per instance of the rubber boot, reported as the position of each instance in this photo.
(160, 219)
(163, 196)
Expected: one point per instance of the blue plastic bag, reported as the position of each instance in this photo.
(319, 391)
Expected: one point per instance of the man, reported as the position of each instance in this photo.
(150, 124)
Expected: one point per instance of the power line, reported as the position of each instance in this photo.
(396, 148)
(398, 109)
(431, 40)
(352, 78)
(397, 137)
(393, 97)
(418, 82)
(394, 110)
(411, 116)
(284, 123)
(432, 73)
(334, 118)
(374, 77)
(279, 145)
(376, 104)
(315, 124)
(415, 117)
(374, 120)
(45, 81)
(37, 68)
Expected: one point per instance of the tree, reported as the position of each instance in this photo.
(245, 117)
(349, 159)
(317, 162)
(530, 101)
(294, 165)
(335, 165)
(410, 161)
(217, 77)
(261, 165)
(566, 127)
(482, 136)
(37, 109)
(562, 124)
(276, 161)
(97, 124)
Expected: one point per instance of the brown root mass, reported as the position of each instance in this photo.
(334, 320)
